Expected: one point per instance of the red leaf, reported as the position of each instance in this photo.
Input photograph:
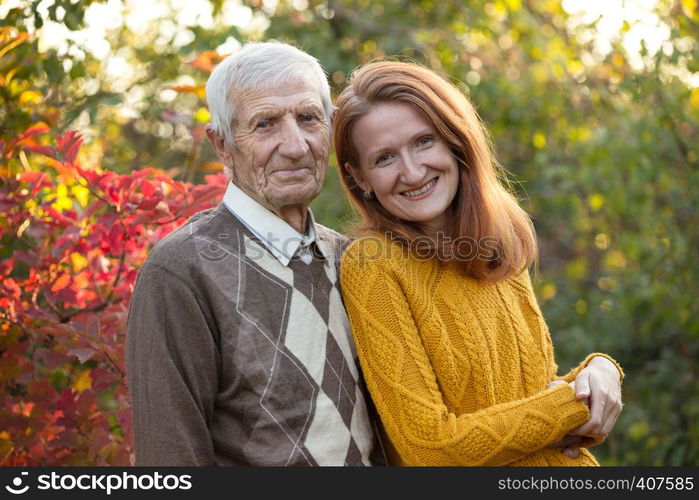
(86, 402)
(42, 181)
(106, 220)
(42, 150)
(62, 282)
(205, 193)
(93, 207)
(207, 60)
(82, 353)
(148, 188)
(87, 323)
(30, 177)
(66, 404)
(59, 330)
(32, 131)
(60, 219)
(148, 203)
(51, 358)
(7, 265)
(219, 179)
(67, 296)
(65, 242)
(41, 389)
(101, 379)
(162, 209)
(179, 186)
(99, 438)
(69, 145)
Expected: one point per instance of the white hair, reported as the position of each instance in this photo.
(260, 65)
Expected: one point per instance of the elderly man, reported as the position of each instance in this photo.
(239, 351)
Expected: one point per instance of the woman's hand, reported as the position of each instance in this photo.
(569, 444)
(600, 384)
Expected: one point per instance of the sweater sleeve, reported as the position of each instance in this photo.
(404, 387)
(171, 361)
(573, 373)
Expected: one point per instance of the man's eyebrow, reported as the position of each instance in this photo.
(312, 107)
(306, 105)
(310, 103)
(260, 115)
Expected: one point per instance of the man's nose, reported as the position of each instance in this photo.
(413, 170)
(293, 141)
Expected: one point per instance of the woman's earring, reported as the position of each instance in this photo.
(368, 195)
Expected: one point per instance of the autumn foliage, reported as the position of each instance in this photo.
(71, 241)
(601, 139)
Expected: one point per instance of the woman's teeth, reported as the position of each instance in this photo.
(418, 192)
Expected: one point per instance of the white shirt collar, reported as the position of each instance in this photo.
(282, 240)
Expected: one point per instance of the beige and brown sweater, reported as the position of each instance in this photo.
(234, 358)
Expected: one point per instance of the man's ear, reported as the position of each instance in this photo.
(218, 142)
(356, 174)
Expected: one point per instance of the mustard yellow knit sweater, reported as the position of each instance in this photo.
(458, 369)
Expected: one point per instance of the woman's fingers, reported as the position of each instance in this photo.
(599, 385)
(612, 411)
(600, 381)
(582, 385)
(567, 441)
(597, 403)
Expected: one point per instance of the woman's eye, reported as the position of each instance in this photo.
(425, 140)
(382, 159)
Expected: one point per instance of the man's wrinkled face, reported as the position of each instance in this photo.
(282, 139)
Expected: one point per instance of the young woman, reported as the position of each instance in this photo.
(451, 341)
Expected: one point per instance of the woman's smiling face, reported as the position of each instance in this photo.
(407, 165)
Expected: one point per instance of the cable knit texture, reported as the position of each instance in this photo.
(458, 369)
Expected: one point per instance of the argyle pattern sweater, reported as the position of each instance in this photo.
(236, 359)
(458, 369)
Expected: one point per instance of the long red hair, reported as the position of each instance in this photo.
(484, 208)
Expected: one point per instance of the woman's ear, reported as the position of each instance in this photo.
(356, 174)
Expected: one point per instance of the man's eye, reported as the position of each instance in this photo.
(308, 117)
(263, 124)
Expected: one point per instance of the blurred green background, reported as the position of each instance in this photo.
(593, 109)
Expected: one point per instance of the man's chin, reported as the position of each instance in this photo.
(298, 195)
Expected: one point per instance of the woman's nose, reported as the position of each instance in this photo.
(413, 170)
